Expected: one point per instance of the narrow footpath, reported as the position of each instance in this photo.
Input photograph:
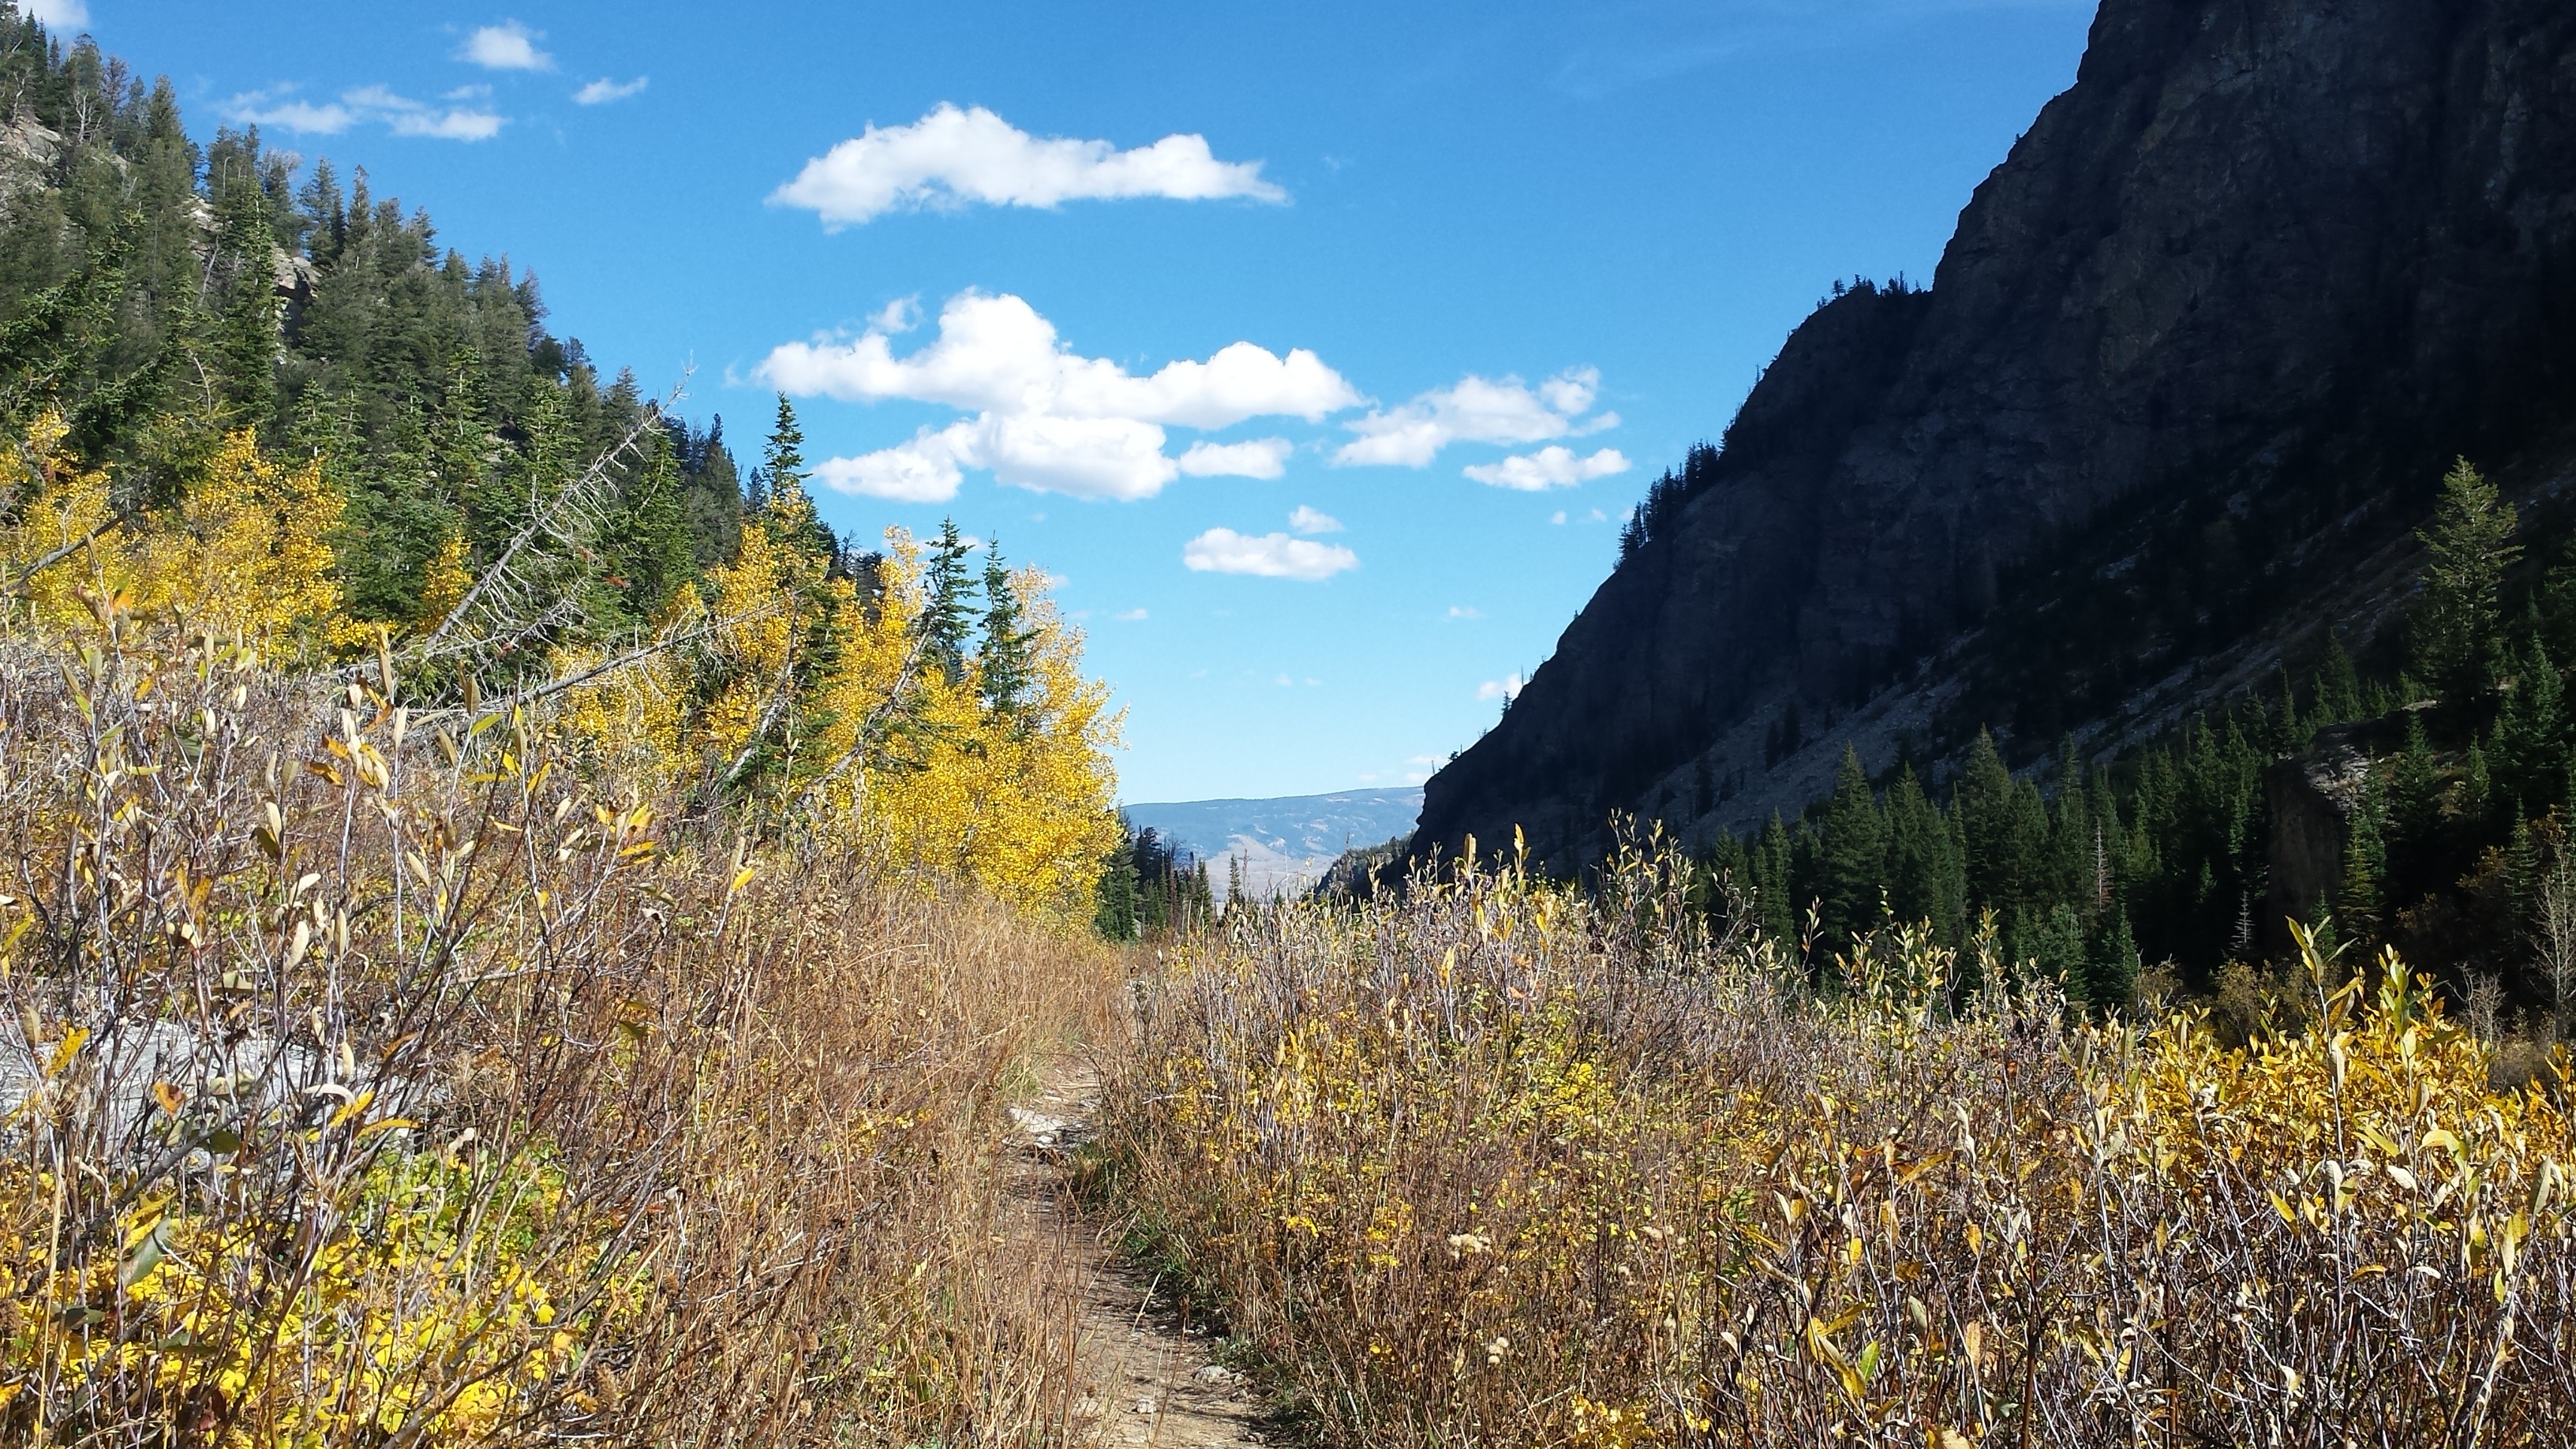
(1148, 1376)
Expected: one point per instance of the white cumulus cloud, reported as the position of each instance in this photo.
(1260, 458)
(1131, 616)
(1554, 466)
(1313, 520)
(261, 108)
(377, 105)
(451, 125)
(1043, 416)
(603, 90)
(506, 46)
(954, 158)
(57, 14)
(1507, 687)
(1477, 410)
(1269, 556)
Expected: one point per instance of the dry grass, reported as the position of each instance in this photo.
(374, 1080)
(1501, 1164)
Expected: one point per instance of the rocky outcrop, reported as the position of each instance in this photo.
(2202, 343)
(2310, 798)
(27, 154)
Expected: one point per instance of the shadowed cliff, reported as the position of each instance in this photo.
(2199, 346)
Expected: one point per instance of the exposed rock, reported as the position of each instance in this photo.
(27, 155)
(1043, 1130)
(2199, 349)
(2311, 798)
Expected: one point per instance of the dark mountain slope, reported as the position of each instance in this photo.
(2209, 334)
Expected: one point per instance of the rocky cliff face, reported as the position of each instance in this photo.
(2200, 345)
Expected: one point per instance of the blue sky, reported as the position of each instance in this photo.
(1460, 279)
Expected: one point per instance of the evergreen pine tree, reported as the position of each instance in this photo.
(945, 614)
(2072, 859)
(2052, 941)
(714, 498)
(1003, 662)
(1984, 805)
(783, 460)
(1114, 912)
(2531, 730)
(246, 334)
(397, 518)
(2293, 732)
(2414, 796)
(1852, 857)
(2338, 686)
(2112, 984)
(2456, 634)
(649, 553)
(1775, 890)
(1923, 870)
(785, 505)
(2477, 787)
(2361, 904)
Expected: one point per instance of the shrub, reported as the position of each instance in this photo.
(371, 1077)
(1504, 1163)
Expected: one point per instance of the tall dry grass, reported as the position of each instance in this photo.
(375, 1077)
(1502, 1163)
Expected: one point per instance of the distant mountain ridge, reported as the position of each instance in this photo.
(2187, 376)
(1285, 844)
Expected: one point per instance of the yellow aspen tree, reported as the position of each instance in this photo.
(632, 724)
(1016, 803)
(754, 599)
(57, 505)
(246, 554)
(447, 583)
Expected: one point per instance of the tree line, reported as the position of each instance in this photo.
(2453, 829)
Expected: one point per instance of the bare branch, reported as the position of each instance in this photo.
(28, 575)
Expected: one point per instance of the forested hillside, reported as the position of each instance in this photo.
(161, 295)
(511, 931)
(259, 394)
(2419, 800)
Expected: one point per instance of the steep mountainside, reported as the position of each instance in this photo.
(2198, 352)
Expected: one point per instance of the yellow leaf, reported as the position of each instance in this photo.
(64, 1052)
(353, 1107)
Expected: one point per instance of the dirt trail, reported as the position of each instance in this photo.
(1148, 1377)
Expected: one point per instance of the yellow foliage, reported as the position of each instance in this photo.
(778, 686)
(420, 1313)
(392, 1083)
(1497, 1160)
(1019, 804)
(446, 582)
(244, 554)
(885, 754)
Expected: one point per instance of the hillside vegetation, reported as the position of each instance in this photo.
(1506, 1162)
(511, 931)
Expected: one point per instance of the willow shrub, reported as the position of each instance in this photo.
(372, 1078)
(1502, 1163)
